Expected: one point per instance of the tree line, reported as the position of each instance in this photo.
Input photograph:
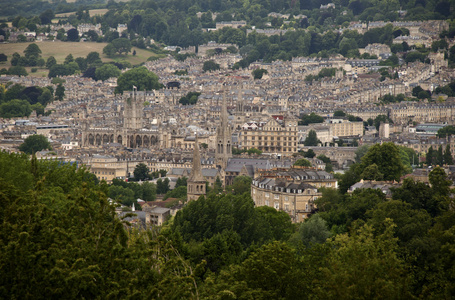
(17, 100)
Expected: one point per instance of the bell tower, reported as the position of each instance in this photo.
(223, 138)
(196, 182)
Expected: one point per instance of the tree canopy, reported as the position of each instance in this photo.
(302, 163)
(210, 66)
(311, 139)
(35, 143)
(60, 232)
(107, 71)
(140, 77)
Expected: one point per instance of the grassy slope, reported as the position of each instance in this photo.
(92, 12)
(78, 49)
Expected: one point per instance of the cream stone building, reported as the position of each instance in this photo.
(107, 167)
(342, 128)
(279, 134)
(291, 190)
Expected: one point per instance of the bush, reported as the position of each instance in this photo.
(34, 70)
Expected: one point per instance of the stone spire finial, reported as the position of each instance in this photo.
(196, 173)
(224, 116)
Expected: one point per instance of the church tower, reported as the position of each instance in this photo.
(132, 115)
(223, 138)
(196, 182)
(239, 115)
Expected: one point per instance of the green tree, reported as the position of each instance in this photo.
(122, 195)
(58, 222)
(313, 231)
(258, 73)
(109, 49)
(68, 59)
(446, 131)
(47, 16)
(254, 151)
(448, 159)
(339, 113)
(190, 98)
(430, 156)
(60, 92)
(271, 272)
(17, 70)
(387, 158)
(222, 249)
(15, 108)
(210, 66)
(162, 186)
(310, 119)
(141, 172)
(140, 77)
(178, 192)
(302, 162)
(412, 224)
(311, 139)
(35, 143)
(241, 185)
(32, 51)
(419, 195)
(121, 45)
(364, 265)
(181, 181)
(107, 71)
(372, 173)
(148, 191)
(440, 156)
(72, 35)
(51, 61)
(93, 58)
(309, 154)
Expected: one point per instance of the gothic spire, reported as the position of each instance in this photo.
(224, 115)
(196, 173)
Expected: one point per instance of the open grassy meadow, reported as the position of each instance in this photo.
(78, 49)
(92, 12)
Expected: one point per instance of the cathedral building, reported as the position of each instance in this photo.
(131, 134)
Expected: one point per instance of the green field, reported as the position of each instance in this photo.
(78, 49)
(92, 12)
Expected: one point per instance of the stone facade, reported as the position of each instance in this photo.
(292, 191)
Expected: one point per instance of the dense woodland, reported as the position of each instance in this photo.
(60, 238)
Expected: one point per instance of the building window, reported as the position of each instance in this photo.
(266, 195)
(286, 198)
(267, 202)
(277, 205)
(276, 196)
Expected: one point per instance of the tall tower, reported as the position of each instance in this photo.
(239, 115)
(132, 115)
(196, 183)
(223, 138)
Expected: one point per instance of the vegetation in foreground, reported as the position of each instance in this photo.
(60, 237)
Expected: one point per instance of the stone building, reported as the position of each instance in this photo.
(279, 134)
(223, 139)
(291, 190)
(196, 183)
(130, 134)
